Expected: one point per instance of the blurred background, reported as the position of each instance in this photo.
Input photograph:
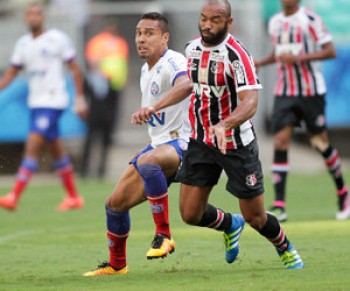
(82, 19)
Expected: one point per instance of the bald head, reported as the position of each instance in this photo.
(224, 3)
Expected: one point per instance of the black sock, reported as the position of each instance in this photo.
(280, 169)
(273, 231)
(215, 218)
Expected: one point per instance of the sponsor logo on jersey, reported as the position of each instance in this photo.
(208, 91)
(192, 66)
(194, 54)
(173, 64)
(157, 119)
(251, 180)
(154, 89)
(216, 57)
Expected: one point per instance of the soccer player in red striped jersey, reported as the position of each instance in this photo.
(223, 100)
(300, 40)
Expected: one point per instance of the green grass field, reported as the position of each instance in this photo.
(42, 249)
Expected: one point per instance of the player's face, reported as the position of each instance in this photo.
(214, 23)
(150, 40)
(34, 17)
(290, 4)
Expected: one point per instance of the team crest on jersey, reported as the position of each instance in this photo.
(217, 68)
(251, 180)
(154, 89)
(238, 70)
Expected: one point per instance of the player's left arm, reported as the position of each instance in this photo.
(80, 103)
(181, 90)
(244, 111)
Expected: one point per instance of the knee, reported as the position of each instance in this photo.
(148, 170)
(116, 204)
(256, 221)
(281, 143)
(320, 144)
(189, 216)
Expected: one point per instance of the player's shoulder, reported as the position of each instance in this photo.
(174, 59)
(57, 34)
(276, 18)
(311, 15)
(22, 40)
(193, 43)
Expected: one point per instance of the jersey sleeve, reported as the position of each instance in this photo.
(177, 67)
(17, 55)
(319, 31)
(243, 70)
(68, 51)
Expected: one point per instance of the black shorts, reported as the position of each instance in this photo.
(293, 110)
(202, 166)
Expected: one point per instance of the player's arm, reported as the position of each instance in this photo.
(327, 51)
(8, 76)
(243, 112)
(269, 59)
(80, 103)
(182, 89)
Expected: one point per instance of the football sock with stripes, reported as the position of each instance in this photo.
(118, 227)
(273, 231)
(280, 169)
(64, 170)
(332, 161)
(27, 168)
(156, 189)
(215, 218)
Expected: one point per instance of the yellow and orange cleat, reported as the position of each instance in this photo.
(106, 269)
(161, 247)
(69, 203)
(8, 202)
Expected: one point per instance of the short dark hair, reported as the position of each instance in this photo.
(163, 21)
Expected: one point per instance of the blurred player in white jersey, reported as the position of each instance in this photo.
(164, 75)
(300, 40)
(42, 54)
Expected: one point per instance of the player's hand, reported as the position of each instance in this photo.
(81, 108)
(219, 132)
(142, 115)
(288, 58)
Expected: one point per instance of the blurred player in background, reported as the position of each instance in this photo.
(300, 40)
(107, 58)
(42, 54)
(154, 168)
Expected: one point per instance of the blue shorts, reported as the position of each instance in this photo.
(44, 121)
(178, 144)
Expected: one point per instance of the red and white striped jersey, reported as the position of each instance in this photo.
(218, 73)
(300, 33)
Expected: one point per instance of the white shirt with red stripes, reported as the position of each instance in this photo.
(218, 73)
(300, 33)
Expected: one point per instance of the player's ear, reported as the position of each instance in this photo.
(166, 37)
